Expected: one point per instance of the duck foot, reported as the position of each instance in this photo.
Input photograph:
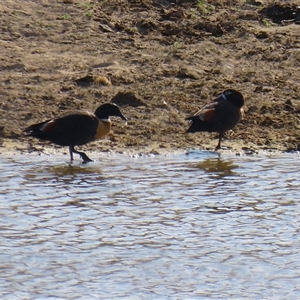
(222, 148)
(85, 158)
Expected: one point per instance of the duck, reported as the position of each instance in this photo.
(77, 128)
(220, 115)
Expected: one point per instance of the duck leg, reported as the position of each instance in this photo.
(219, 143)
(71, 148)
(84, 157)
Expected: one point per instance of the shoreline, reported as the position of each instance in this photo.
(160, 62)
(11, 146)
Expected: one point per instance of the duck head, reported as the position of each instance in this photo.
(233, 96)
(107, 110)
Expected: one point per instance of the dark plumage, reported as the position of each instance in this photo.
(77, 128)
(221, 115)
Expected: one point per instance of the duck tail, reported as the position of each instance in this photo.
(197, 125)
(35, 129)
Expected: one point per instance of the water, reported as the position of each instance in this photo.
(194, 226)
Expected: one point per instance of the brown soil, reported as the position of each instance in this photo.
(160, 60)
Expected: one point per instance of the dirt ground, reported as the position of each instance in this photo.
(160, 61)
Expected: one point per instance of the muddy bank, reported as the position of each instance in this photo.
(165, 58)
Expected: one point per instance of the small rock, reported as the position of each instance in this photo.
(90, 79)
(187, 72)
(288, 106)
(102, 80)
(127, 98)
(85, 81)
(252, 109)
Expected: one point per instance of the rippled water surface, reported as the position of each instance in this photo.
(194, 226)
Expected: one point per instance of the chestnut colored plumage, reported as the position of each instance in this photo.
(77, 128)
(221, 115)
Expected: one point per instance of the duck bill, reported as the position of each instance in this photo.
(220, 98)
(123, 117)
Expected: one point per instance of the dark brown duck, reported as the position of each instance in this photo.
(221, 115)
(77, 128)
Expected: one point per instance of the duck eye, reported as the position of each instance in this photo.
(227, 93)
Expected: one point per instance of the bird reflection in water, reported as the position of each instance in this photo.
(80, 175)
(217, 166)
